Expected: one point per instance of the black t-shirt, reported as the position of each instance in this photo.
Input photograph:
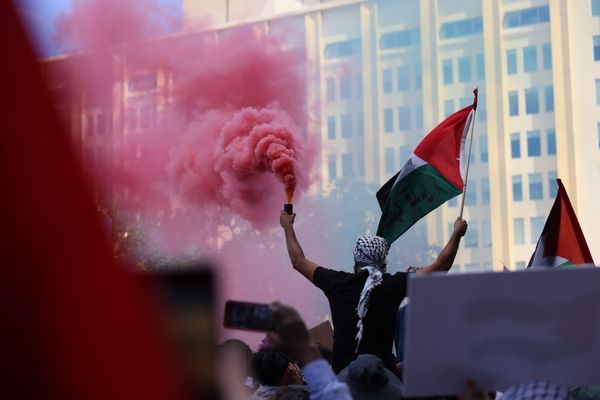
(343, 292)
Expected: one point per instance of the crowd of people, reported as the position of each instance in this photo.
(361, 365)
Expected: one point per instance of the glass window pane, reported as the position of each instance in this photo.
(529, 59)
(552, 184)
(485, 191)
(480, 67)
(547, 54)
(537, 224)
(595, 7)
(517, 188)
(347, 165)
(389, 160)
(549, 98)
(464, 69)
(532, 105)
(330, 89)
(331, 167)
(448, 107)
(388, 120)
(519, 230)
(471, 237)
(418, 77)
(404, 118)
(359, 88)
(387, 80)
(471, 194)
(360, 123)
(403, 78)
(483, 149)
(419, 116)
(551, 141)
(346, 125)
(511, 61)
(345, 88)
(513, 103)
(536, 187)
(534, 144)
(331, 127)
(515, 145)
(486, 233)
(405, 153)
(597, 91)
(447, 71)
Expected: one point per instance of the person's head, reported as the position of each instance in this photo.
(273, 367)
(367, 378)
(370, 251)
(233, 361)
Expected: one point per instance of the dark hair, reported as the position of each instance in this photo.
(269, 365)
(238, 346)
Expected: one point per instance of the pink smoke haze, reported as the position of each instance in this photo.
(229, 141)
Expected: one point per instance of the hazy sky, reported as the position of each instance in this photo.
(39, 15)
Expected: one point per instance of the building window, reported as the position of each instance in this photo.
(346, 125)
(529, 59)
(466, 27)
(361, 164)
(332, 167)
(465, 101)
(595, 7)
(404, 118)
(142, 82)
(528, 16)
(389, 160)
(360, 123)
(519, 230)
(517, 188)
(405, 153)
(481, 108)
(480, 65)
(448, 107)
(418, 77)
(536, 187)
(90, 128)
(537, 224)
(532, 101)
(552, 184)
(547, 54)
(403, 79)
(513, 103)
(394, 40)
(598, 133)
(551, 141)
(388, 120)
(331, 127)
(549, 98)
(485, 191)
(359, 86)
(515, 145)
(347, 165)
(343, 49)
(596, 48)
(471, 237)
(102, 124)
(534, 144)
(471, 195)
(148, 115)
(597, 91)
(483, 149)
(511, 61)
(387, 80)
(447, 71)
(464, 69)
(345, 88)
(330, 85)
(419, 116)
(486, 233)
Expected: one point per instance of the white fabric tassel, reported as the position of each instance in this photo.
(373, 280)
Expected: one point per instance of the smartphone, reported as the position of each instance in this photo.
(248, 316)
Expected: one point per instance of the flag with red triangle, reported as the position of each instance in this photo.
(432, 175)
(562, 242)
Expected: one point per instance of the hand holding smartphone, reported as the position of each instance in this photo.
(248, 316)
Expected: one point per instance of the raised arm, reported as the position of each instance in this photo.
(446, 257)
(299, 261)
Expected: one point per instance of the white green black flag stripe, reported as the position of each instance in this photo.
(561, 242)
(433, 174)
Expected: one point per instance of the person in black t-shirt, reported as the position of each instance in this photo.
(364, 303)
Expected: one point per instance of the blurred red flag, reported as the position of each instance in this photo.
(74, 325)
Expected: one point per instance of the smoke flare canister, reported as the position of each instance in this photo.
(288, 208)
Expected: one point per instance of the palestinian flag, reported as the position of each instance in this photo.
(562, 242)
(432, 175)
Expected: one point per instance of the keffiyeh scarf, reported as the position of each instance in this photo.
(370, 254)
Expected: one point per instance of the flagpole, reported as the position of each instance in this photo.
(462, 203)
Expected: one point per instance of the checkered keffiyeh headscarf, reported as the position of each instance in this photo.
(369, 254)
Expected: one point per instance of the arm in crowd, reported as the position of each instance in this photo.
(446, 257)
(292, 335)
(300, 263)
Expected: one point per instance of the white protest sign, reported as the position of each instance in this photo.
(502, 329)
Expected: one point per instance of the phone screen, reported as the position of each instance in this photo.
(248, 316)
